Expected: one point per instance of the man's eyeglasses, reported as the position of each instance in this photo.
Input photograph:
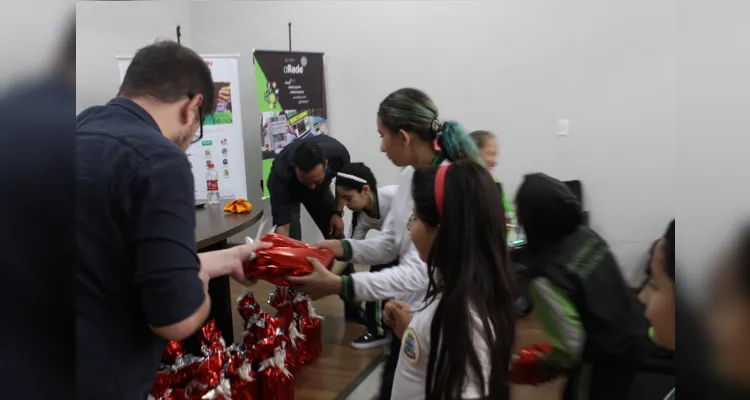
(198, 135)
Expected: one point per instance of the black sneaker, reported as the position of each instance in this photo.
(370, 341)
(356, 315)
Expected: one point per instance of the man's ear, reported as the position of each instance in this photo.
(325, 164)
(192, 107)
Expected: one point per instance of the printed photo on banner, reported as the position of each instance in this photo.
(291, 101)
(223, 113)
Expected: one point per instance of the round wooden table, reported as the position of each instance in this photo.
(213, 227)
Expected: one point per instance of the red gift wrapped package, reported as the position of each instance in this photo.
(310, 326)
(287, 257)
(173, 350)
(528, 366)
(185, 370)
(260, 327)
(247, 306)
(284, 307)
(244, 385)
(296, 340)
(163, 383)
(276, 381)
(282, 241)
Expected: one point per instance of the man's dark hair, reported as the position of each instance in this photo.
(308, 156)
(169, 72)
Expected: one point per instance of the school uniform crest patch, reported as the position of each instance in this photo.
(410, 347)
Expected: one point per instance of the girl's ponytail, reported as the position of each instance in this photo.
(455, 143)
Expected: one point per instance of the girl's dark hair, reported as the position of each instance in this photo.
(470, 270)
(360, 170)
(669, 250)
(413, 111)
(481, 137)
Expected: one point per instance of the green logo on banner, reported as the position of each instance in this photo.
(206, 143)
(268, 92)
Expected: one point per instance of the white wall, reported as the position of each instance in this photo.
(713, 99)
(105, 29)
(513, 67)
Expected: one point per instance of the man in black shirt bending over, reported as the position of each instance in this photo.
(302, 174)
(139, 280)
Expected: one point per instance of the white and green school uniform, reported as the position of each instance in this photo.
(406, 281)
(411, 371)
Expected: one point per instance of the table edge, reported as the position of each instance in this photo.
(205, 242)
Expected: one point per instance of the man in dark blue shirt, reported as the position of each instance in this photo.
(139, 278)
(302, 174)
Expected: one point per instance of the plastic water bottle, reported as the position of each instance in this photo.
(212, 185)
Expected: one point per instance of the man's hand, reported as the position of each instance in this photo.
(335, 245)
(336, 227)
(397, 316)
(245, 252)
(282, 230)
(229, 262)
(320, 283)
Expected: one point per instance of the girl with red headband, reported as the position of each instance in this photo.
(412, 136)
(458, 343)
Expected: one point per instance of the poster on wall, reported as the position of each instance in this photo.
(291, 101)
(222, 143)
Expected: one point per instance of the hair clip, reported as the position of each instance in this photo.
(437, 126)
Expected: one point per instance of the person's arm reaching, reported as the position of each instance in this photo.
(409, 276)
(171, 277)
(561, 324)
(281, 205)
(377, 250)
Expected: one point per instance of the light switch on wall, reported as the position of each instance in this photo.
(563, 127)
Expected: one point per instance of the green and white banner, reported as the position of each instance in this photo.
(291, 101)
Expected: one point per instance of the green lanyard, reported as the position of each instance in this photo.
(437, 160)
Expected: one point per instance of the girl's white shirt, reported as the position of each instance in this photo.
(411, 370)
(406, 281)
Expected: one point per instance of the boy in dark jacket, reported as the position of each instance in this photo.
(580, 298)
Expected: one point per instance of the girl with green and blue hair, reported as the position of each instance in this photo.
(413, 134)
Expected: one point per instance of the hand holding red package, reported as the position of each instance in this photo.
(287, 257)
(528, 365)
